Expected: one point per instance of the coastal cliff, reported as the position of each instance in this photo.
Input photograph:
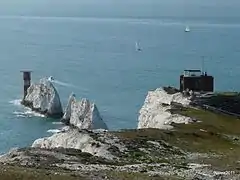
(156, 110)
(174, 140)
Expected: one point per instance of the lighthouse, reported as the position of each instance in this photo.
(26, 82)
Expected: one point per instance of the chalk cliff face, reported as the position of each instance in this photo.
(43, 97)
(155, 113)
(75, 139)
(83, 114)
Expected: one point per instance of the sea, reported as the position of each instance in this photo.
(88, 46)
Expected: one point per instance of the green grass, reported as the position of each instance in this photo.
(217, 123)
(229, 101)
(136, 176)
(207, 136)
(213, 140)
(19, 173)
(227, 93)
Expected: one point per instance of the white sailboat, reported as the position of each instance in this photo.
(187, 29)
(137, 47)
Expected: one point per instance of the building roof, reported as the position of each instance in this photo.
(192, 70)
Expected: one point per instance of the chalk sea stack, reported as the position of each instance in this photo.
(84, 122)
(83, 114)
(43, 98)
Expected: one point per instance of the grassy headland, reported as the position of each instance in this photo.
(214, 140)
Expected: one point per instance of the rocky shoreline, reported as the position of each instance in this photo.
(173, 140)
(146, 154)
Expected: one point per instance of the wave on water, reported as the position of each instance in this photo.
(24, 112)
(51, 79)
(62, 129)
(16, 102)
(62, 83)
(19, 114)
(28, 113)
(57, 123)
(32, 113)
(53, 131)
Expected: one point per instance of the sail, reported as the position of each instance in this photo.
(137, 47)
(187, 29)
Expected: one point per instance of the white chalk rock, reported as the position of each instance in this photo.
(83, 114)
(76, 140)
(44, 98)
(155, 111)
(67, 114)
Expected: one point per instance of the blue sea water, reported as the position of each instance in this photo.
(90, 46)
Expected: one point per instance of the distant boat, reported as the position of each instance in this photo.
(187, 29)
(137, 47)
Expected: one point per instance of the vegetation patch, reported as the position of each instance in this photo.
(228, 101)
(213, 134)
(137, 176)
(171, 90)
(20, 173)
